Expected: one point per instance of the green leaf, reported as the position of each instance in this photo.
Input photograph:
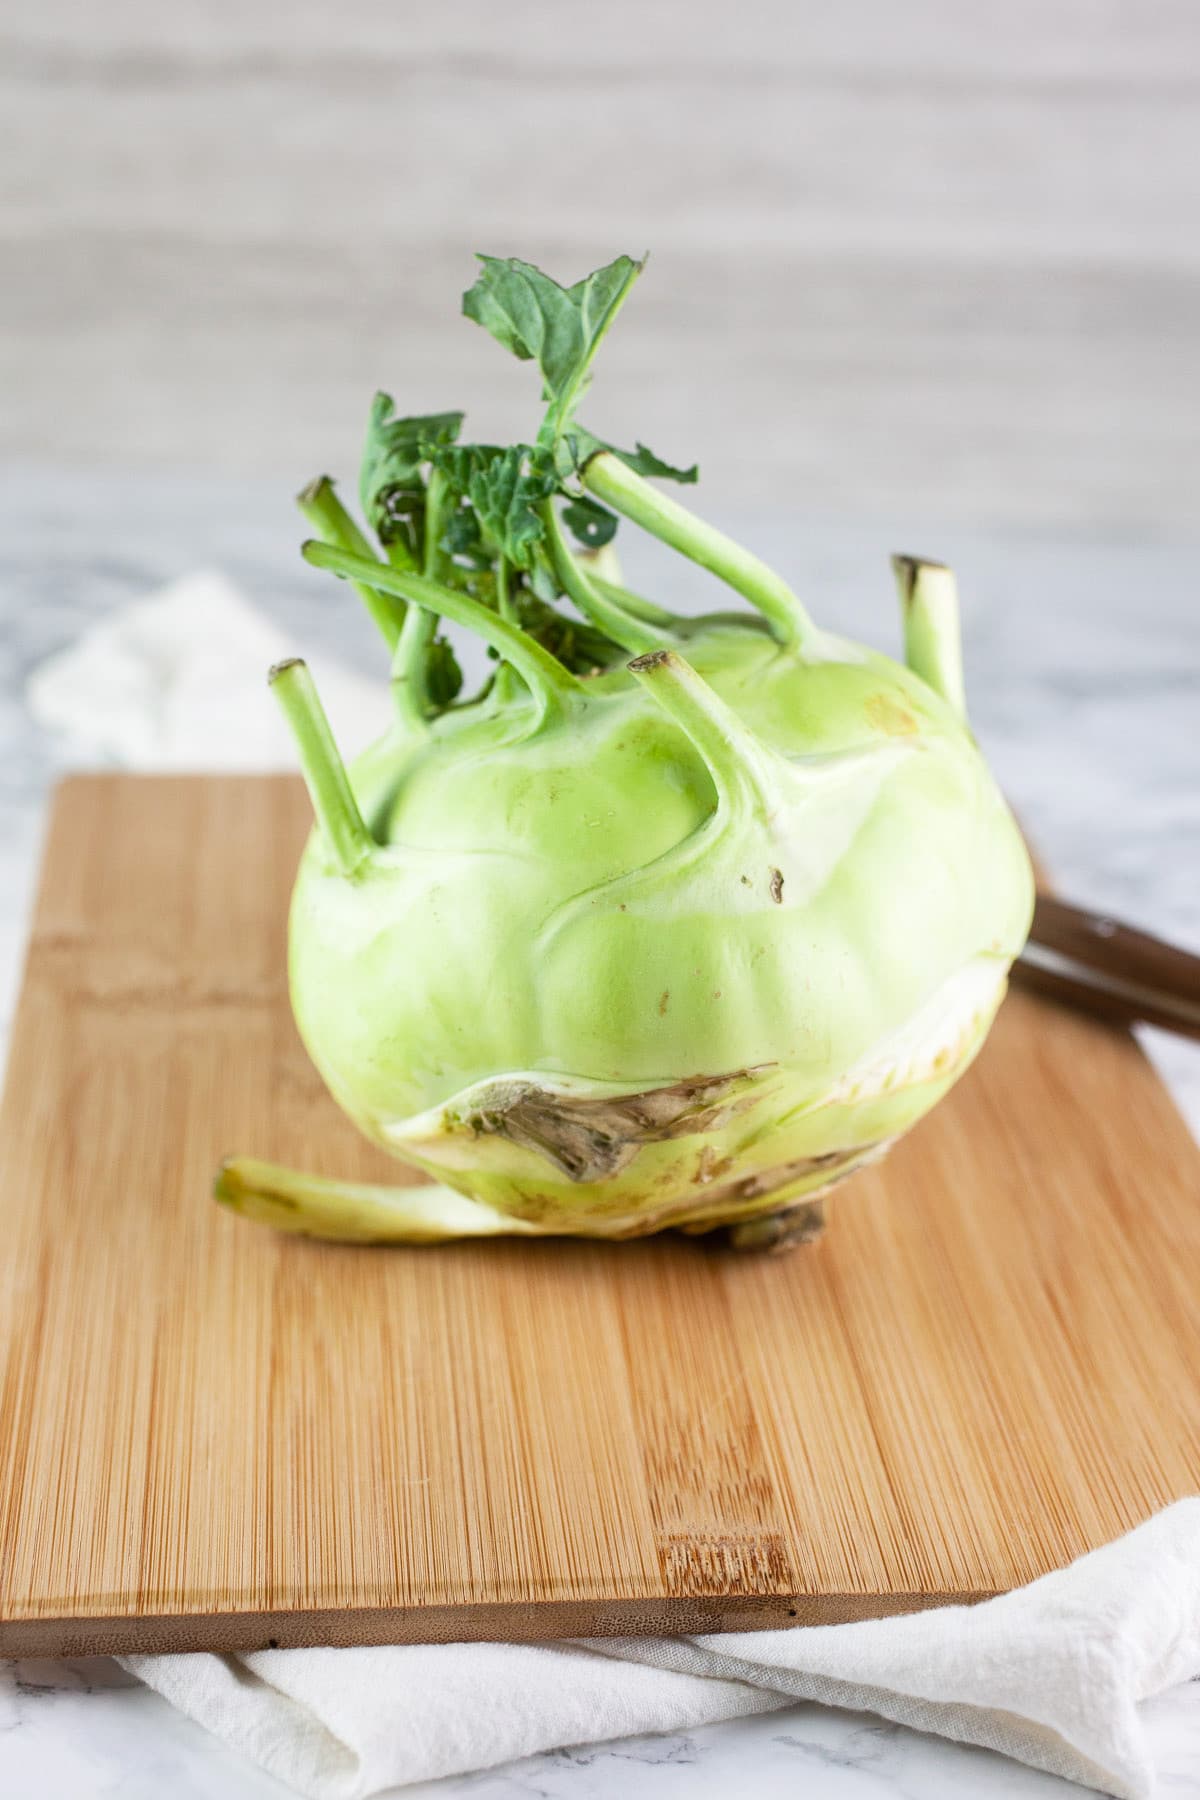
(584, 445)
(505, 487)
(462, 540)
(590, 522)
(543, 583)
(558, 328)
(443, 677)
(644, 462)
(561, 329)
(575, 643)
(391, 484)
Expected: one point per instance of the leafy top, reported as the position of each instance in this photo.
(561, 329)
(477, 517)
(391, 486)
(558, 328)
(505, 487)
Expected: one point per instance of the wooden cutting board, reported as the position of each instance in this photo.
(215, 1437)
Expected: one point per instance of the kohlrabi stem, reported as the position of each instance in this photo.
(616, 484)
(554, 688)
(325, 513)
(735, 759)
(409, 693)
(504, 600)
(438, 503)
(341, 823)
(630, 633)
(932, 633)
(400, 556)
(634, 606)
(410, 663)
(506, 676)
(355, 1211)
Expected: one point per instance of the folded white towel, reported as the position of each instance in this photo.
(1052, 1674)
(178, 682)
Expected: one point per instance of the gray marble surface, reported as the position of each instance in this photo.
(1083, 657)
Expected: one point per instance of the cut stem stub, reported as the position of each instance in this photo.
(325, 513)
(338, 816)
(735, 759)
(932, 631)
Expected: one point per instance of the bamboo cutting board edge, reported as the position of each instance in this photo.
(529, 1622)
(735, 1498)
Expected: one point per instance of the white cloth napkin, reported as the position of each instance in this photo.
(1051, 1674)
(178, 682)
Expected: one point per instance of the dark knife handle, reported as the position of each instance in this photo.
(1093, 961)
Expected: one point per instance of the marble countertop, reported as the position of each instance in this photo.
(1083, 664)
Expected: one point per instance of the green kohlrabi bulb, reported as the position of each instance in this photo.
(680, 921)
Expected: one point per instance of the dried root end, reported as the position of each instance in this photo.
(780, 1231)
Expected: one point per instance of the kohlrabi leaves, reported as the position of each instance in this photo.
(561, 329)
(558, 328)
(579, 646)
(591, 523)
(505, 486)
(463, 541)
(391, 484)
(543, 582)
(644, 462)
(583, 445)
(443, 677)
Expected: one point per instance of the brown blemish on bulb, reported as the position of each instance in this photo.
(704, 1163)
(835, 1165)
(887, 714)
(775, 886)
(709, 1166)
(664, 1000)
(589, 1139)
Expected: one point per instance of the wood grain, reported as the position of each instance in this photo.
(213, 1437)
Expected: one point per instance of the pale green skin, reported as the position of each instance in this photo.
(570, 908)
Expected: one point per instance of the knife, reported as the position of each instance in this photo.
(1095, 962)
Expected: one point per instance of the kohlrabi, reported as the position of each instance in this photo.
(676, 923)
